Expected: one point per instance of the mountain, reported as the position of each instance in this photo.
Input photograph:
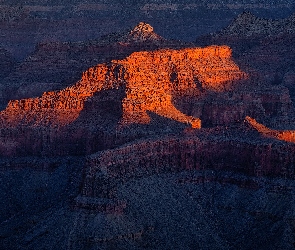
(141, 33)
(132, 141)
(247, 24)
(56, 65)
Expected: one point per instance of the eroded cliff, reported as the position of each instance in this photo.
(150, 80)
(54, 65)
(283, 135)
(224, 151)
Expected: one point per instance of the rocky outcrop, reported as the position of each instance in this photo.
(286, 135)
(172, 74)
(141, 33)
(151, 78)
(107, 169)
(56, 65)
(247, 24)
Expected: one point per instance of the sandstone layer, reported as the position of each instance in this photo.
(150, 80)
(54, 65)
(285, 135)
(107, 169)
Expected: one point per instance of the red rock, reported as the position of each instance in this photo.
(285, 135)
(149, 87)
(175, 154)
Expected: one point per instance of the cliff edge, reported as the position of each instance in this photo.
(150, 80)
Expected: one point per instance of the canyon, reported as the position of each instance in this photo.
(55, 65)
(149, 81)
(176, 154)
(134, 141)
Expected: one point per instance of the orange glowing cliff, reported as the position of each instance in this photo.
(283, 135)
(151, 79)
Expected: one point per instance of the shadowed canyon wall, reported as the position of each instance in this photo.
(107, 169)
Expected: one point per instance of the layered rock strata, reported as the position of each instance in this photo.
(283, 135)
(151, 78)
(56, 65)
(108, 169)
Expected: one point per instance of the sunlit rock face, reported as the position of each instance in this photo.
(142, 32)
(283, 135)
(150, 80)
(54, 65)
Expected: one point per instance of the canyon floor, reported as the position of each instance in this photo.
(164, 211)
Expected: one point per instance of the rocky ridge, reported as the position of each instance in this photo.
(141, 33)
(56, 65)
(107, 169)
(247, 24)
(285, 135)
(146, 89)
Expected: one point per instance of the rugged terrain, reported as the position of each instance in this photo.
(139, 142)
(56, 65)
(23, 24)
(262, 46)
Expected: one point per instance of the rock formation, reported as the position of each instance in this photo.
(141, 33)
(107, 169)
(187, 85)
(150, 79)
(286, 135)
(247, 24)
(56, 65)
